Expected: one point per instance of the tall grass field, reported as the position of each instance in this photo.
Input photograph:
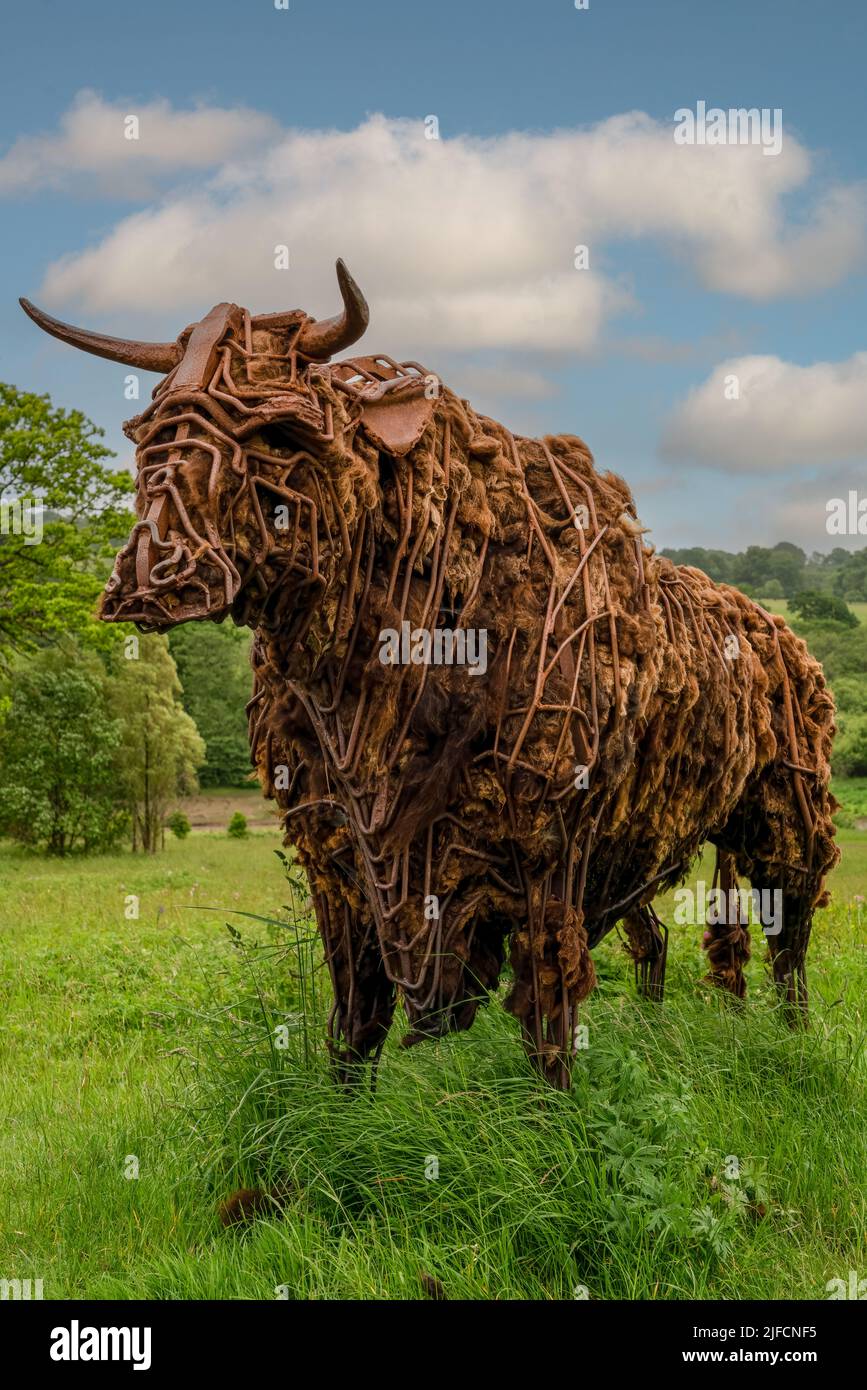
(162, 1024)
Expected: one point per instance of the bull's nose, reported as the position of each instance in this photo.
(164, 575)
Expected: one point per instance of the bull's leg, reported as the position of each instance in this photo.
(784, 900)
(727, 937)
(786, 865)
(553, 972)
(647, 943)
(457, 978)
(787, 921)
(364, 997)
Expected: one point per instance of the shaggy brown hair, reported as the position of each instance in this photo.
(631, 711)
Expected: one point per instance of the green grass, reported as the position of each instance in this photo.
(851, 792)
(154, 1038)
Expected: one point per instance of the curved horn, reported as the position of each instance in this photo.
(150, 357)
(323, 338)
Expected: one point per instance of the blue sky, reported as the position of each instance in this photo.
(698, 263)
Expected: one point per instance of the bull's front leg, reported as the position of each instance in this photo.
(647, 944)
(726, 936)
(364, 997)
(553, 973)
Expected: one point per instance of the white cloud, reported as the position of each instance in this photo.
(91, 145)
(786, 415)
(802, 508)
(459, 243)
(475, 380)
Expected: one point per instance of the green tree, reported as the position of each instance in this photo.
(213, 661)
(822, 608)
(850, 577)
(49, 588)
(785, 565)
(751, 567)
(160, 747)
(841, 650)
(850, 692)
(849, 757)
(772, 588)
(59, 742)
(716, 564)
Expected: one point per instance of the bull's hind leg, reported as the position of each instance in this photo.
(647, 943)
(786, 921)
(786, 866)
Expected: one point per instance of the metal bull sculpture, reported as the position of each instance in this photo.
(598, 715)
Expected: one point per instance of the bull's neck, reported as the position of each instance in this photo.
(391, 570)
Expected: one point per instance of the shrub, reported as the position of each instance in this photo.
(179, 825)
(841, 650)
(238, 826)
(850, 692)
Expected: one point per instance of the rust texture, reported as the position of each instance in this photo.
(630, 710)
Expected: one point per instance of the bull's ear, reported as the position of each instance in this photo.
(398, 419)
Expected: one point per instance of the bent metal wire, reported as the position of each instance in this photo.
(215, 429)
(221, 428)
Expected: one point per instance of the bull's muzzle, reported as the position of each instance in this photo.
(164, 575)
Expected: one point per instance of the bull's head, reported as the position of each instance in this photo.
(239, 437)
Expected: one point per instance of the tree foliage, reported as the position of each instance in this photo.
(822, 608)
(841, 650)
(160, 747)
(58, 746)
(782, 570)
(213, 661)
(850, 746)
(50, 590)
